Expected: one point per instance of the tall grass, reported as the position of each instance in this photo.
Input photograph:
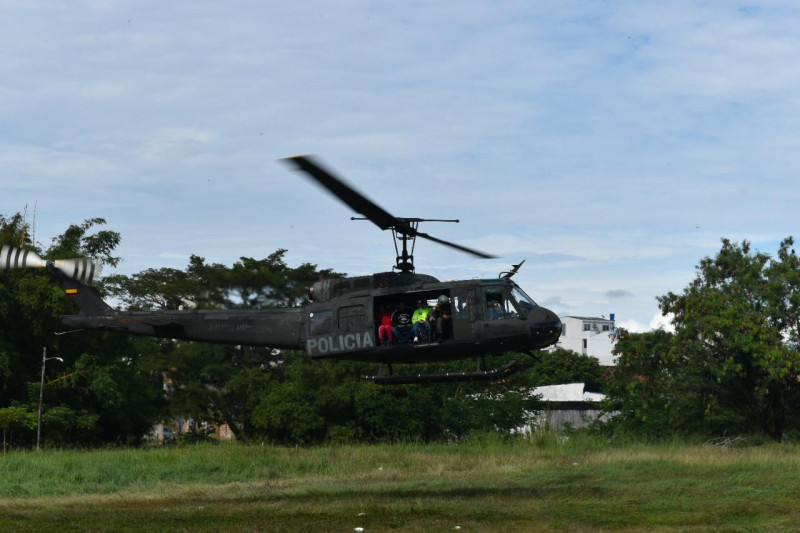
(544, 482)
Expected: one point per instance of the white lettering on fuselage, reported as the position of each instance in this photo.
(331, 344)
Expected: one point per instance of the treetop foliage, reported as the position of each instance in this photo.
(731, 367)
(733, 364)
(77, 242)
(250, 284)
(91, 397)
(113, 388)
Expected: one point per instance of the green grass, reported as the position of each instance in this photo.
(580, 485)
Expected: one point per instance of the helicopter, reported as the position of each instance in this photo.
(346, 318)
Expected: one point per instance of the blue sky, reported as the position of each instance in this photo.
(610, 145)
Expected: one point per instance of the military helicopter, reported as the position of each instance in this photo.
(466, 319)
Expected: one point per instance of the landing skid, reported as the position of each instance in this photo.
(450, 377)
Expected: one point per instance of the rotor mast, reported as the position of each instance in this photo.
(403, 229)
(405, 261)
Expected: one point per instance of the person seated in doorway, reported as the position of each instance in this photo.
(401, 323)
(419, 327)
(440, 319)
(384, 326)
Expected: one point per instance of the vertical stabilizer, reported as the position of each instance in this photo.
(88, 302)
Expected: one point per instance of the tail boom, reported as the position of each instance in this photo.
(275, 328)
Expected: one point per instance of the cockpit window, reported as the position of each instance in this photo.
(498, 305)
(525, 302)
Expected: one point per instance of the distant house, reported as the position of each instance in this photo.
(577, 404)
(178, 425)
(592, 336)
(572, 404)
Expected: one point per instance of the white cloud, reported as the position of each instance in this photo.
(658, 321)
(175, 141)
(664, 322)
(619, 293)
(47, 170)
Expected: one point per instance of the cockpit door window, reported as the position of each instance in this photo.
(499, 306)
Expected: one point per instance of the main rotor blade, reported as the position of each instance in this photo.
(357, 201)
(361, 204)
(457, 246)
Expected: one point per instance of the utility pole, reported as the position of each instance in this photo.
(41, 399)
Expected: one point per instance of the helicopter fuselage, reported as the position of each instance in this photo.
(484, 317)
(366, 318)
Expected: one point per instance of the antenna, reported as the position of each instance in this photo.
(33, 229)
(24, 227)
(510, 273)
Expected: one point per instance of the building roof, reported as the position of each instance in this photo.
(568, 392)
(588, 318)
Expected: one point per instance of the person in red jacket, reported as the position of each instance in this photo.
(385, 326)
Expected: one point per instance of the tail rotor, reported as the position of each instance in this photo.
(82, 269)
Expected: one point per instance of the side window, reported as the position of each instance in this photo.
(320, 322)
(498, 306)
(352, 318)
(494, 304)
(460, 306)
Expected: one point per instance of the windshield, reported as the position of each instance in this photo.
(525, 302)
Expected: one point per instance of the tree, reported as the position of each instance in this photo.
(162, 289)
(77, 242)
(641, 387)
(110, 387)
(733, 365)
(255, 283)
(219, 384)
(311, 402)
(103, 391)
(737, 325)
(563, 366)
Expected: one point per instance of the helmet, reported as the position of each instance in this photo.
(443, 299)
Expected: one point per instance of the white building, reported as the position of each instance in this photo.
(570, 404)
(592, 336)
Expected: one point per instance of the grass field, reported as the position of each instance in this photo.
(582, 485)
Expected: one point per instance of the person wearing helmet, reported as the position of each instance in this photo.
(440, 319)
